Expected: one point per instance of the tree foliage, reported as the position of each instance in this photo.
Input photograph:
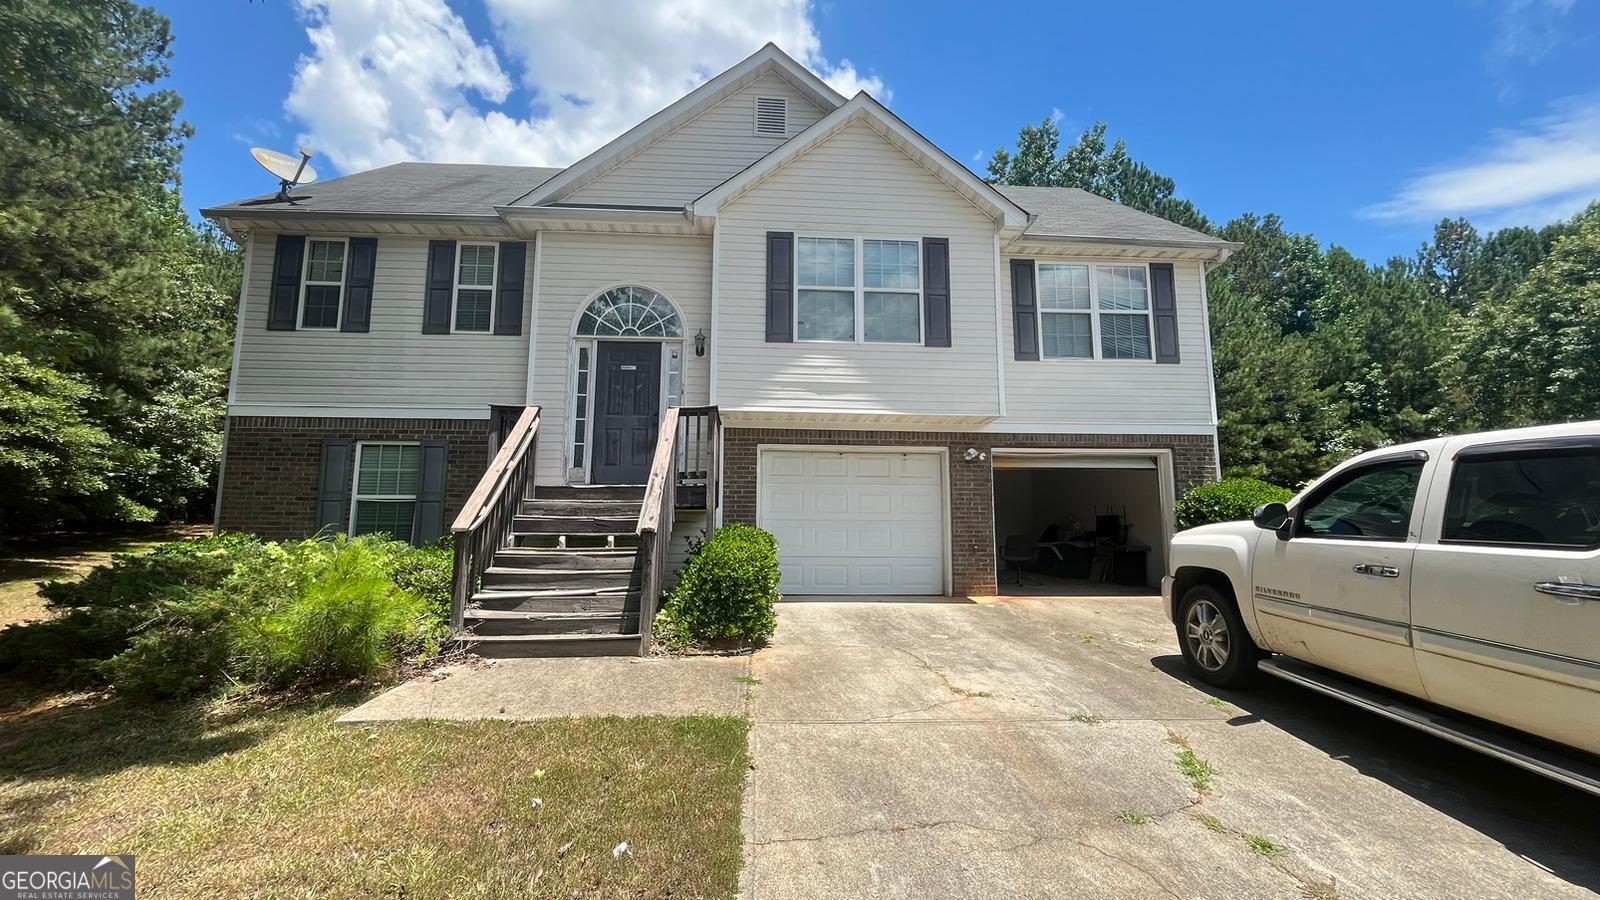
(1319, 355)
(115, 311)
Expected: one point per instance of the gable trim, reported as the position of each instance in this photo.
(701, 98)
(862, 106)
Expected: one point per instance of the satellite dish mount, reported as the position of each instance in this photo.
(290, 172)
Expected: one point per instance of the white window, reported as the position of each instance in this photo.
(322, 289)
(386, 490)
(858, 289)
(580, 417)
(1094, 311)
(474, 297)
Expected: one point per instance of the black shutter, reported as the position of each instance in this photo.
(509, 293)
(1024, 309)
(333, 487)
(432, 469)
(780, 287)
(358, 278)
(441, 281)
(284, 303)
(936, 291)
(1164, 309)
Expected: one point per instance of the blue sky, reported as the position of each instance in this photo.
(1360, 122)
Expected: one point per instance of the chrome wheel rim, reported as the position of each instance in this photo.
(1207, 634)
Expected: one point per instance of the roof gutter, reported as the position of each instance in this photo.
(1224, 248)
(328, 215)
(636, 215)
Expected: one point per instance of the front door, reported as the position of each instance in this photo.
(1338, 592)
(627, 411)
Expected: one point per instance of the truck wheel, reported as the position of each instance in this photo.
(1216, 647)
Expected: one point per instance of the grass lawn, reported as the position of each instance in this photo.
(23, 564)
(245, 798)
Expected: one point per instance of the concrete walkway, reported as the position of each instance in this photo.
(554, 688)
(1036, 748)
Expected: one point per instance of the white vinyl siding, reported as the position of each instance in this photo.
(858, 184)
(702, 153)
(1094, 393)
(394, 365)
(576, 266)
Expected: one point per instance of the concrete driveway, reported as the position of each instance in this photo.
(1054, 748)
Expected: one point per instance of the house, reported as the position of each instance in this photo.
(861, 346)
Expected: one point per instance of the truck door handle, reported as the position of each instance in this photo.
(1567, 592)
(1376, 569)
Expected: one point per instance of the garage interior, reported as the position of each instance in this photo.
(1078, 524)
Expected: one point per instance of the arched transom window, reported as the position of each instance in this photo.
(630, 312)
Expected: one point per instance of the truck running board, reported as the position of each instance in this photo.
(1570, 770)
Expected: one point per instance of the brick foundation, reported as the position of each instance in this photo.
(271, 471)
(971, 483)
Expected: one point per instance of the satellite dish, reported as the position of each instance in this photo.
(289, 171)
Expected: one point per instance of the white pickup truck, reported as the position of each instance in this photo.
(1440, 584)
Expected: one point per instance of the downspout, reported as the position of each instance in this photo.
(1211, 370)
(533, 320)
(233, 374)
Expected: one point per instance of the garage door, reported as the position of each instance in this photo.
(853, 522)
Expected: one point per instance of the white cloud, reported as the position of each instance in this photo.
(1530, 30)
(392, 80)
(1547, 169)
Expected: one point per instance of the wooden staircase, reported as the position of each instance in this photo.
(569, 583)
(575, 571)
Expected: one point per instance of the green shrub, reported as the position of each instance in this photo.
(322, 611)
(192, 617)
(727, 591)
(1228, 500)
(101, 614)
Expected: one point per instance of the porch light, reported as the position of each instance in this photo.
(700, 342)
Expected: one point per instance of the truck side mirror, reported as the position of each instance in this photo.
(1272, 517)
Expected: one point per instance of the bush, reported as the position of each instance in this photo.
(1229, 500)
(190, 617)
(102, 613)
(319, 611)
(727, 590)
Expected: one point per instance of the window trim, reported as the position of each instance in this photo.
(860, 288)
(456, 286)
(1094, 312)
(1345, 477)
(306, 283)
(355, 485)
(1584, 445)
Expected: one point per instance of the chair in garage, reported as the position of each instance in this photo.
(1020, 550)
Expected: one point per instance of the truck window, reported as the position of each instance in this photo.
(1373, 503)
(1540, 499)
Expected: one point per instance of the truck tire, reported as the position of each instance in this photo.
(1216, 647)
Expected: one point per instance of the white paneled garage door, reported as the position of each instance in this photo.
(855, 522)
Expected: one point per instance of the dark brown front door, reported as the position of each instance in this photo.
(628, 390)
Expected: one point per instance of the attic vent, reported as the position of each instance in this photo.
(772, 116)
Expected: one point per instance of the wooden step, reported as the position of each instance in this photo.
(574, 524)
(515, 621)
(634, 493)
(565, 560)
(526, 645)
(542, 507)
(549, 541)
(499, 578)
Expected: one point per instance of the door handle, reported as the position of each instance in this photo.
(1376, 569)
(1567, 592)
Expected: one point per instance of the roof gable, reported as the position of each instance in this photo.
(768, 60)
(863, 108)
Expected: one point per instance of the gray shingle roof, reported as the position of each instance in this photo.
(406, 189)
(1070, 212)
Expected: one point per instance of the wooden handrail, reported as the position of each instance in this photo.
(480, 501)
(662, 468)
(483, 527)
